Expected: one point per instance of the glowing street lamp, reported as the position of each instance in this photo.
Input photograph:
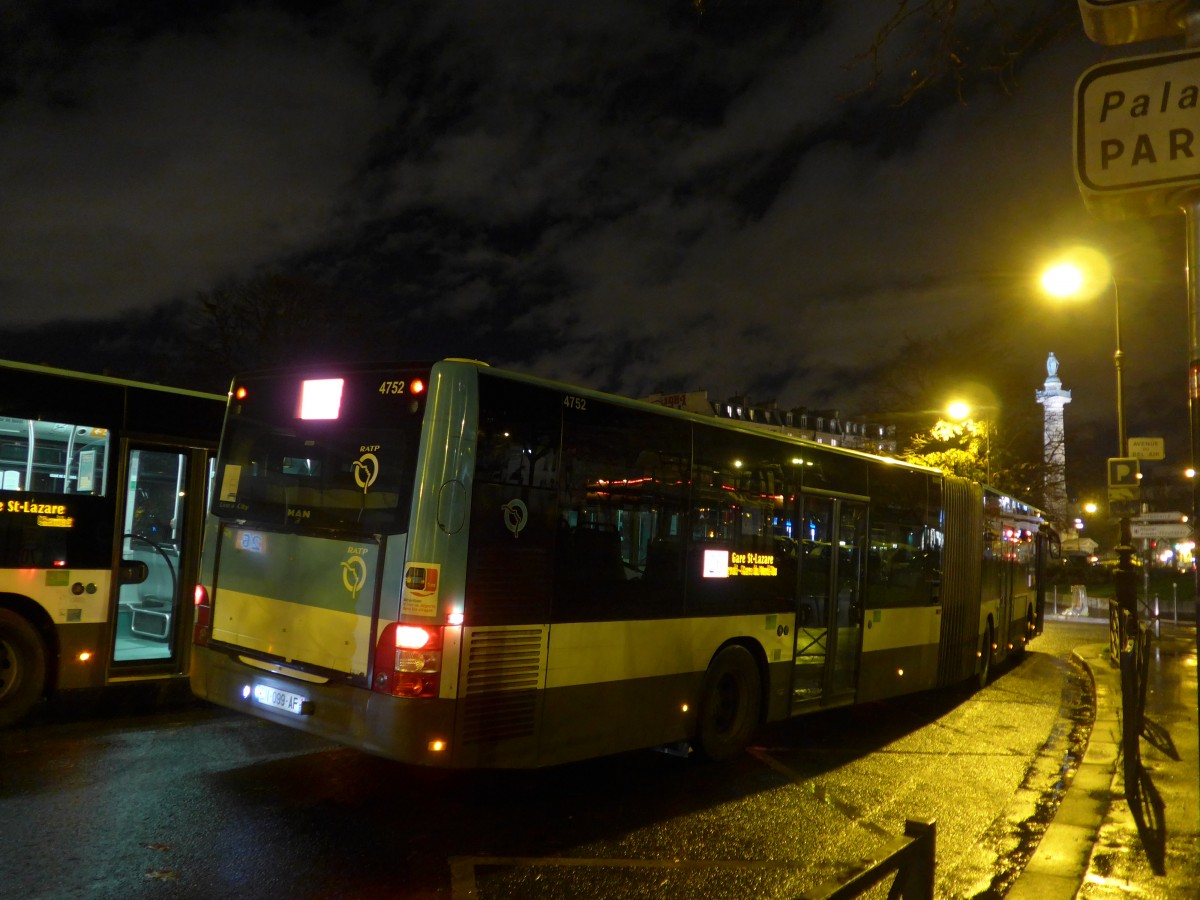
(1083, 273)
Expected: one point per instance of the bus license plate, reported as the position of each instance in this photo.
(285, 700)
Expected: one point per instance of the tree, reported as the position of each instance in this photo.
(957, 448)
(975, 449)
(942, 47)
(273, 319)
(1008, 440)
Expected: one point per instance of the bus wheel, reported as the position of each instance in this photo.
(985, 657)
(22, 667)
(730, 704)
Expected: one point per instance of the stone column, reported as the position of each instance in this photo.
(1054, 445)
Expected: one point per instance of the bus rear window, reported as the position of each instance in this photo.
(354, 472)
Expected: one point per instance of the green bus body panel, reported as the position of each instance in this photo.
(299, 598)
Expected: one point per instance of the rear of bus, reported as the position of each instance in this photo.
(304, 579)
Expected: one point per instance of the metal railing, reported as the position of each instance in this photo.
(911, 859)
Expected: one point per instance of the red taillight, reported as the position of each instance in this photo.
(202, 626)
(408, 660)
(417, 386)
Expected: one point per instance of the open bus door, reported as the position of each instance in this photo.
(830, 615)
(160, 517)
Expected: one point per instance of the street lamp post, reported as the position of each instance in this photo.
(1068, 279)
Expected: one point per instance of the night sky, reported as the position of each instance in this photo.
(627, 195)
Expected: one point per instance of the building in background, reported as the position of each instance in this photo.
(825, 426)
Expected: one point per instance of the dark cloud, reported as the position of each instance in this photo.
(624, 194)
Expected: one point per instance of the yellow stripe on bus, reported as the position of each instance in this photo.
(69, 596)
(594, 652)
(905, 626)
(333, 639)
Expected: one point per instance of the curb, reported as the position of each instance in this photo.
(1057, 869)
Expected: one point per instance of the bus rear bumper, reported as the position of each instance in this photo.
(410, 731)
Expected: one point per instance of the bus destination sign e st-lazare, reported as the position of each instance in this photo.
(1137, 134)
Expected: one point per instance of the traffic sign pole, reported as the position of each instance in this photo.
(1192, 215)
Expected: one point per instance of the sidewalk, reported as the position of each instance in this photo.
(1094, 848)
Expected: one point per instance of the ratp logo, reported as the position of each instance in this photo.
(516, 515)
(354, 575)
(366, 470)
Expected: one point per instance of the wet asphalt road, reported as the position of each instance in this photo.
(191, 801)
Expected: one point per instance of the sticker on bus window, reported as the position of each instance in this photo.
(229, 483)
(716, 563)
(87, 471)
(420, 596)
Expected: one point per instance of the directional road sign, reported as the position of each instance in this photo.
(1161, 532)
(1147, 517)
(1137, 138)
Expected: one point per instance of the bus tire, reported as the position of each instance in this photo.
(729, 705)
(22, 667)
(986, 655)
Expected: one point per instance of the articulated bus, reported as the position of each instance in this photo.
(102, 488)
(453, 565)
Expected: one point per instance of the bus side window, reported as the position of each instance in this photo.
(53, 457)
(517, 441)
(622, 507)
(900, 560)
(743, 511)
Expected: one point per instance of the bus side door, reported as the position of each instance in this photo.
(160, 521)
(829, 619)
